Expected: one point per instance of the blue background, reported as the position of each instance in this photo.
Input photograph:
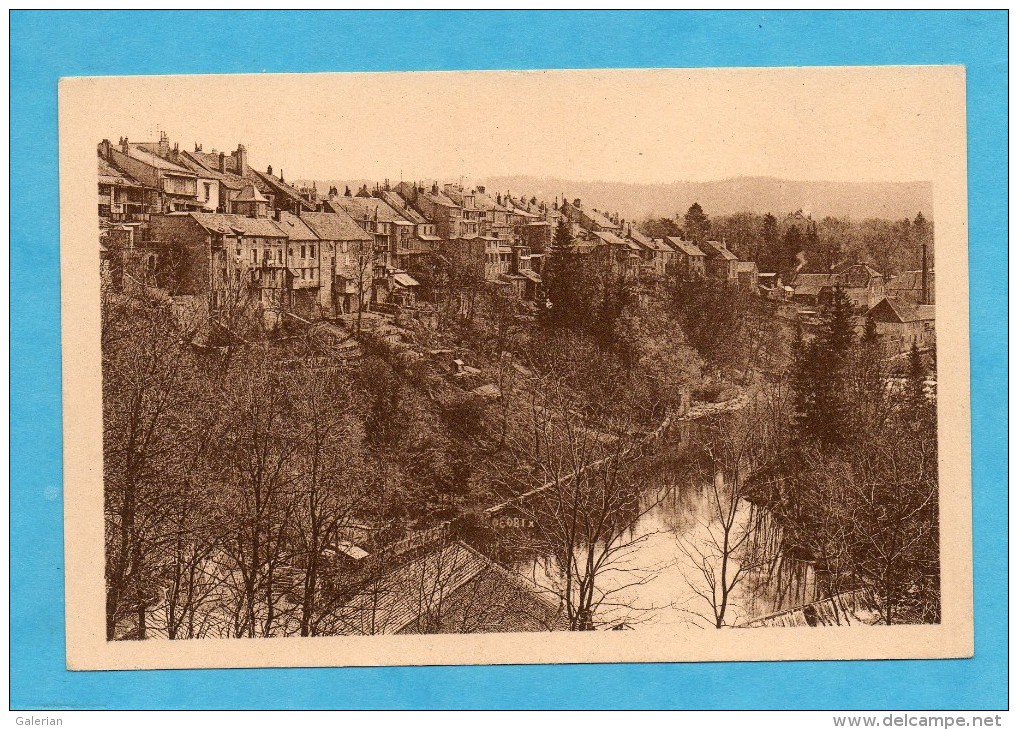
(46, 46)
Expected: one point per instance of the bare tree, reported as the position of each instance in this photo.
(586, 504)
(733, 445)
(144, 396)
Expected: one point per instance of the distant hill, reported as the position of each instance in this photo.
(894, 200)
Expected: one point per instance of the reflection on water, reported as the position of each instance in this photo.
(656, 577)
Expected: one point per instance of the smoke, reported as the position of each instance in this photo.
(800, 262)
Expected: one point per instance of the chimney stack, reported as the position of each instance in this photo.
(125, 146)
(269, 169)
(222, 162)
(164, 145)
(241, 159)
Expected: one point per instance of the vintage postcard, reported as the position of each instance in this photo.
(515, 367)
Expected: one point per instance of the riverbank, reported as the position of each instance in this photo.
(702, 409)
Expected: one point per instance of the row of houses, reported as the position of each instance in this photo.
(597, 231)
(206, 223)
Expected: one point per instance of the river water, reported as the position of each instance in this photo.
(657, 575)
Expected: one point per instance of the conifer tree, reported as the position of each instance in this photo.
(697, 224)
(823, 412)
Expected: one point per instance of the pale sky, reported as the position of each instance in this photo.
(643, 126)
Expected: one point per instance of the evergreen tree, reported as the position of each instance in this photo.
(769, 256)
(697, 224)
(791, 246)
(567, 301)
(915, 392)
(821, 379)
(563, 235)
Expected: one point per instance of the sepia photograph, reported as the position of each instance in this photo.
(511, 367)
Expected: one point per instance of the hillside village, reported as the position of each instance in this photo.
(445, 349)
(204, 225)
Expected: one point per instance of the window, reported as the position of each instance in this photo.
(312, 252)
(254, 255)
(279, 255)
(303, 252)
(290, 252)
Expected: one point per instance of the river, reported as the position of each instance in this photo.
(660, 570)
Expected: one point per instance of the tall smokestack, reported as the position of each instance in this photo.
(926, 278)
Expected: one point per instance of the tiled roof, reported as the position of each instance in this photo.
(229, 222)
(858, 275)
(395, 201)
(206, 164)
(396, 601)
(372, 208)
(905, 311)
(295, 228)
(598, 218)
(483, 201)
(609, 237)
(714, 249)
(639, 237)
(335, 227)
(687, 247)
(158, 162)
(250, 194)
(814, 280)
(109, 175)
(278, 186)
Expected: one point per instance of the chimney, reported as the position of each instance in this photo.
(926, 278)
(222, 162)
(125, 146)
(106, 150)
(268, 169)
(281, 178)
(164, 145)
(240, 156)
(197, 147)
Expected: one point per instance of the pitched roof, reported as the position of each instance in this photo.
(857, 275)
(745, 266)
(714, 249)
(109, 175)
(639, 237)
(890, 308)
(373, 208)
(250, 194)
(284, 188)
(335, 227)
(395, 201)
(206, 164)
(687, 247)
(814, 280)
(599, 218)
(910, 281)
(143, 155)
(609, 237)
(230, 222)
(295, 228)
